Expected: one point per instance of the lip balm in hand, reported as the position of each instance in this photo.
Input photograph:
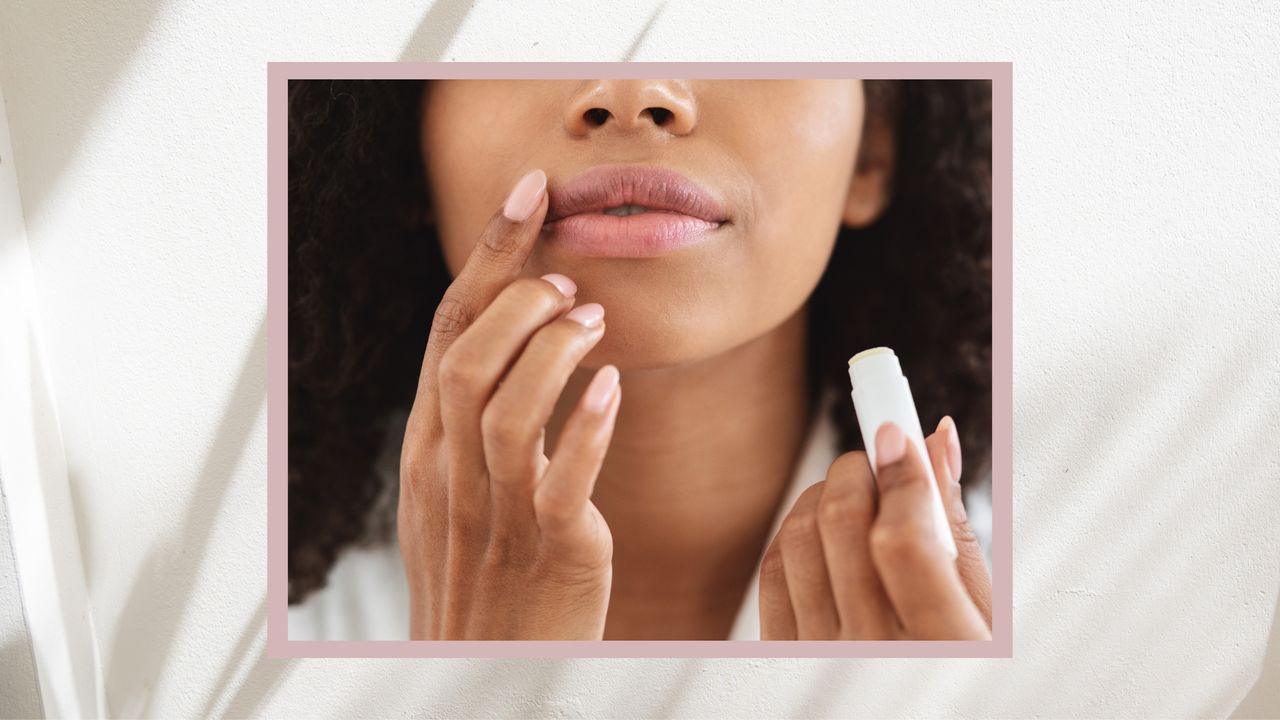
(881, 394)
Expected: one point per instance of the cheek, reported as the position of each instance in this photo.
(801, 183)
(472, 138)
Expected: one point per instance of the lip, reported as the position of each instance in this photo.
(679, 212)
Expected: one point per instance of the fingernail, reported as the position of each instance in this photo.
(589, 315)
(601, 388)
(566, 286)
(953, 446)
(891, 444)
(525, 196)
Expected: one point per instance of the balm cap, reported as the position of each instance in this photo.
(876, 365)
(882, 350)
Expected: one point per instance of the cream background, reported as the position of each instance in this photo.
(1146, 352)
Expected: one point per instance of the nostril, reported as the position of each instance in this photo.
(661, 116)
(596, 116)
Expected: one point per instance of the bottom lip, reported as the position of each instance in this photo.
(646, 234)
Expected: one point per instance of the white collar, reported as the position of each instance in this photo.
(821, 449)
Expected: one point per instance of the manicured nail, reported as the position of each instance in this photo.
(525, 196)
(589, 315)
(601, 388)
(566, 286)
(948, 425)
(891, 444)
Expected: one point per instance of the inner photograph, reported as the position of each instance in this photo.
(618, 359)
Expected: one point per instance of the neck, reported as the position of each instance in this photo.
(701, 457)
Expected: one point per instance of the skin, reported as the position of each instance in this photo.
(526, 514)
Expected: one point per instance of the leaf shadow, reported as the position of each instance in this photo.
(1263, 700)
(437, 29)
(644, 32)
(160, 596)
(259, 677)
(76, 53)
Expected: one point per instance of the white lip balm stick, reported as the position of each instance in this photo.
(881, 394)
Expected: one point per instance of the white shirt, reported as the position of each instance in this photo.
(367, 597)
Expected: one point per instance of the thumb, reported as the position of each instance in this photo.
(944, 454)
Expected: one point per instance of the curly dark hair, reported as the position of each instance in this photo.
(366, 273)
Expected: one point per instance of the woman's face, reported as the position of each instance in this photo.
(776, 156)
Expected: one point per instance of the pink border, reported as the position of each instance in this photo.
(1001, 644)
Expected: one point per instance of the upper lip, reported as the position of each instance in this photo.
(652, 187)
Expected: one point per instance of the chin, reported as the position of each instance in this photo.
(633, 347)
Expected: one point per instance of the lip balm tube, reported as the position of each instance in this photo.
(881, 394)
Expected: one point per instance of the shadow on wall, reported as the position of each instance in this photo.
(19, 688)
(440, 26)
(157, 604)
(508, 687)
(248, 661)
(144, 638)
(72, 56)
(1263, 701)
(644, 32)
(19, 697)
(86, 47)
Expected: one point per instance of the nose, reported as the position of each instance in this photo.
(631, 106)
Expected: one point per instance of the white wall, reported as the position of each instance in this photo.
(1147, 346)
(46, 625)
(19, 691)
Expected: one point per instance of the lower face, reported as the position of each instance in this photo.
(776, 157)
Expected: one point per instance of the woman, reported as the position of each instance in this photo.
(497, 263)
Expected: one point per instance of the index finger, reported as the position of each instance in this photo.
(497, 258)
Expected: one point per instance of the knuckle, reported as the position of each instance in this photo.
(900, 543)
(456, 371)
(963, 533)
(552, 515)
(801, 524)
(451, 317)
(771, 566)
(536, 294)
(501, 427)
(505, 552)
(422, 427)
(849, 465)
(798, 529)
(556, 338)
(500, 240)
(416, 462)
(838, 512)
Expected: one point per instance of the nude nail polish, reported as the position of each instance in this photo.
(953, 447)
(566, 286)
(891, 444)
(601, 388)
(589, 315)
(525, 196)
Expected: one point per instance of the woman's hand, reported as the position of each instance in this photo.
(849, 563)
(498, 541)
